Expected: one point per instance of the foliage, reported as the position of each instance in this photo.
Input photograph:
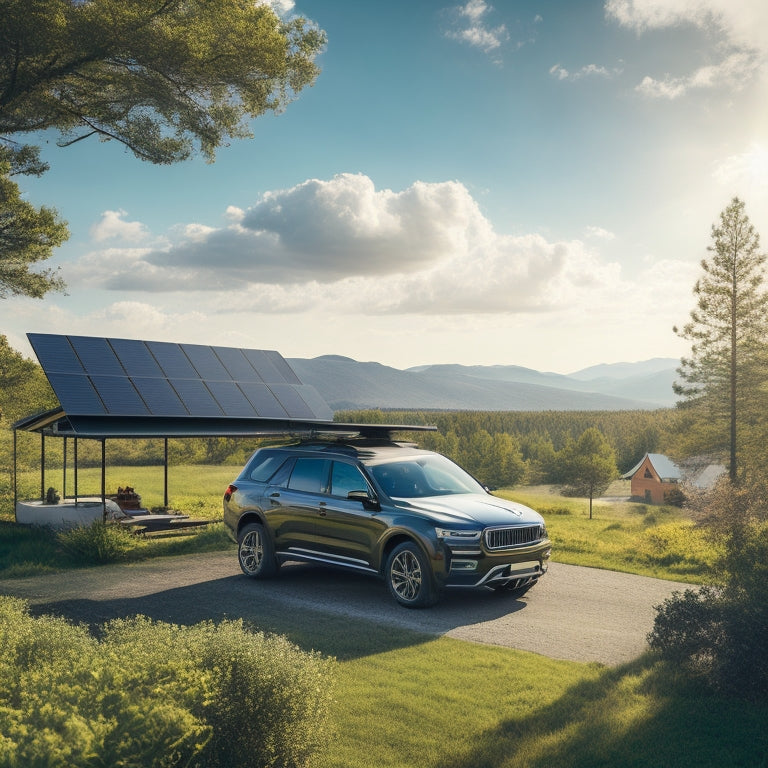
(589, 464)
(162, 77)
(28, 235)
(96, 544)
(538, 437)
(724, 377)
(718, 632)
(155, 694)
(165, 78)
(23, 386)
(31, 550)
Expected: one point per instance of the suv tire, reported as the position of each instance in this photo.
(255, 552)
(409, 576)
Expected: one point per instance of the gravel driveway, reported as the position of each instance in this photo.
(574, 613)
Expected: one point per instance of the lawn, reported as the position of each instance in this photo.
(407, 700)
(658, 541)
(636, 538)
(404, 699)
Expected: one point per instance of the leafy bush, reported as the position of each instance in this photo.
(153, 694)
(718, 633)
(96, 544)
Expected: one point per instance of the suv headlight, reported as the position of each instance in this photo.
(457, 535)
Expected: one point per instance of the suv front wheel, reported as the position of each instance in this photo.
(255, 552)
(409, 576)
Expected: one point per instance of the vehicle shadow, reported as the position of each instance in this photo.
(342, 614)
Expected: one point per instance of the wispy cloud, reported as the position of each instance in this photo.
(733, 72)
(590, 70)
(470, 27)
(736, 27)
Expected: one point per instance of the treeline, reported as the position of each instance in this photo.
(505, 448)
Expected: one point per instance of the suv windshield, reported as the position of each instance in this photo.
(429, 475)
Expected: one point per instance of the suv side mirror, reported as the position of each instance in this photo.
(368, 501)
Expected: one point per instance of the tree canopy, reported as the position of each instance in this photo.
(165, 78)
(589, 464)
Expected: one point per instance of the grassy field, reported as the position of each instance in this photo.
(656, 541)
(404, 699)
(635, 538)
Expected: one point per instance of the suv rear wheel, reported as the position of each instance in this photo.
(409, 576)
(255, 552)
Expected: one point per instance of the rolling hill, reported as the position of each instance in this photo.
(349, 384)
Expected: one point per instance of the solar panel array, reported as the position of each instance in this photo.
(123, 377)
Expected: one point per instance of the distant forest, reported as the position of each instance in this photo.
(500, 448)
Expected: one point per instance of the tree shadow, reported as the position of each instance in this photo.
(638, 715)
(332, 611)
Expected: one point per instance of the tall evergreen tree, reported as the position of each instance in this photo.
(724, 375)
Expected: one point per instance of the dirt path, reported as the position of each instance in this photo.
(574, 613)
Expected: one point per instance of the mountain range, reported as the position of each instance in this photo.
(347, 384)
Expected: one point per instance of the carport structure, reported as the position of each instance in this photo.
(130, 389)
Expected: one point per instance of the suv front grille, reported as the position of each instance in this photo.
(514, 536)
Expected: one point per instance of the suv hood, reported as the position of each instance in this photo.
(473, 508)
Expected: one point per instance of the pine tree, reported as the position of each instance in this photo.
(724, 374)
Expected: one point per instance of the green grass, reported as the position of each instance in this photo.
(405, 699)
(656, 541)
(193, 489)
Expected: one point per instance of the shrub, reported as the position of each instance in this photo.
(96, 544)
(718, 633)
(153, 694)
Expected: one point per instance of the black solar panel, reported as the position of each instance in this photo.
(129, 378)
(172, 360)
(136, 358)
(206, 363)
(96, 355)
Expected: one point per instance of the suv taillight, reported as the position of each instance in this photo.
(230, 490)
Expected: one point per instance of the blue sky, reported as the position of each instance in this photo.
(509, 182)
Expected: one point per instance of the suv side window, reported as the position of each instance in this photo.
(263, 467)
(309, 475)
(346, 478)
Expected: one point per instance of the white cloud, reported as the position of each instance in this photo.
(748, 169)
(599, 233)
(112, 226)
(345, 245)
(471, 27)
(732, 72)
(589, 70)
(737, 27)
